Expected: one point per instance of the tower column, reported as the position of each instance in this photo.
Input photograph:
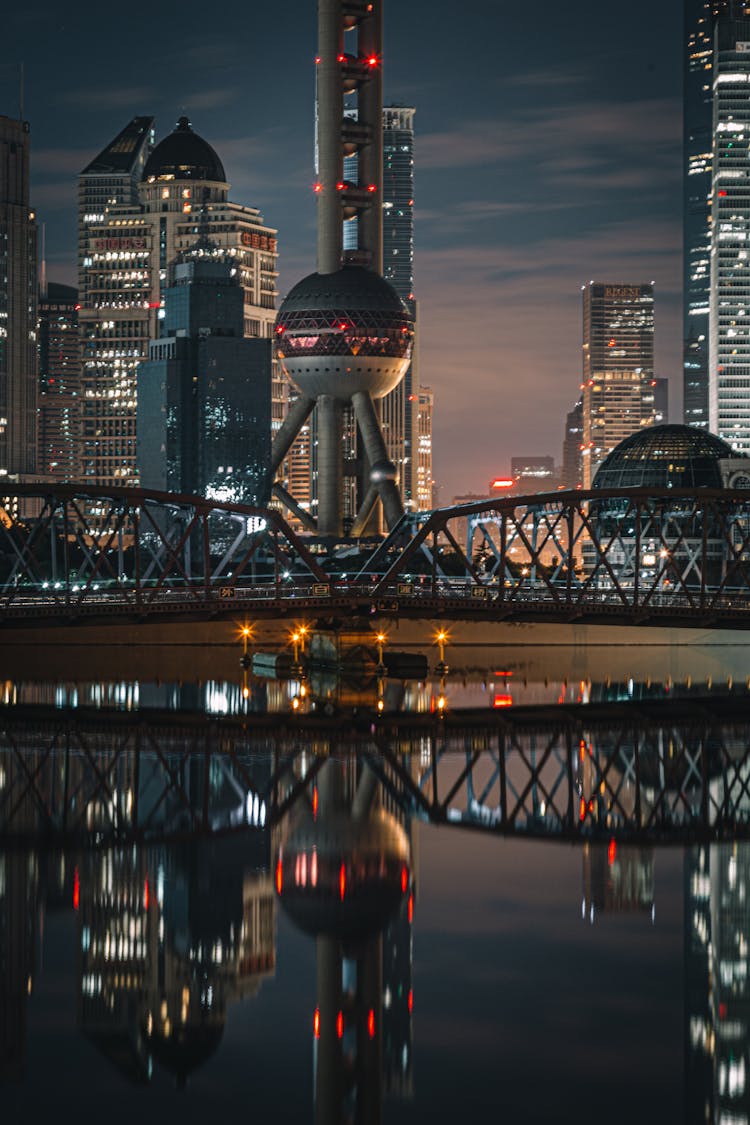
(383, 472)
(330, 466)
(330, 113)
(370, 107)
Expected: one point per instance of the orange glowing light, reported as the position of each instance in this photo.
(340, 1025)
(317, 188)
(611, 852)
(404, 879)
(316, 1023)
(371, 1023)
(503, 482)
(505, 699)
(410, 1001)
(315, 803)
(279, 877)
(76, 890)
(410, 909)
(146, 896)
(582, 810)
(342, 882)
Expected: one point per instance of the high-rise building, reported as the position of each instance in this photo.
(59, 383)
(139, 209)
(729, 330)
(399, 408)
(423, 449)
(204, 395)
(572, 459)
(700, 19)
(618, 367)
(18, 306)
(661, 401)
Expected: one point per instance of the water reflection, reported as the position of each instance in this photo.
(175, 843)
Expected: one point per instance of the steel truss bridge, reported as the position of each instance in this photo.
(661, 772)
(668, 557)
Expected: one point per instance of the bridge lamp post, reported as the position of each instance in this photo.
(381, 639)
(441, 639)
(246, 633)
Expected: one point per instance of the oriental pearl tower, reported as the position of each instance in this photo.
(343, 335)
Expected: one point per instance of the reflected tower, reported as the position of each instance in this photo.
(344, 336)
(341, 875)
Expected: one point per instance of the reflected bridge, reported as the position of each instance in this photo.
(655, 772)
(670, 557)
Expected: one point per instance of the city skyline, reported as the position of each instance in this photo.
(502, 236)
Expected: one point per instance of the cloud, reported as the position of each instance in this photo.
(547, 132)
(209, 99)
(109, 97)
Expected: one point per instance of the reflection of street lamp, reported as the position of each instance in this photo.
(441, 639)
(381, 638)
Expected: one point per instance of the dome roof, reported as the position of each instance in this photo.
(665, 457)
(352, 287)
(183, 155)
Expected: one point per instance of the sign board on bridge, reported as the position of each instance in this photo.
(478, 592)
(321, 590)
(405, 589)
(226, 591)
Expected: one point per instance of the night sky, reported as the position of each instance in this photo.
(548, 152)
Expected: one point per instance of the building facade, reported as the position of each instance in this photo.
(204, 395)
(59, 383)
(18, 306)
(698, 143)
(729, 331)
(140, 207)
(618, 367)
(423, 450)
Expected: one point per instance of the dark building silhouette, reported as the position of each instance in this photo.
(59, 383)
(572, 461)
(18, 305)
(204, 395)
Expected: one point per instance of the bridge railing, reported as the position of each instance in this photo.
(72, 552)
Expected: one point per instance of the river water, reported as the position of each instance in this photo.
(507, 892)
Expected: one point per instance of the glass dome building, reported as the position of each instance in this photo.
(668, 456)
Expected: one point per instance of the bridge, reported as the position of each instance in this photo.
(658, 772)
(669, 557)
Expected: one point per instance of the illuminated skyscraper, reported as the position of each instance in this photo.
(618, 367)
(139, 208)
(572, 461)
(59, 383)
(700, 18)
(729, 331)
(423, 449)
(18, 305)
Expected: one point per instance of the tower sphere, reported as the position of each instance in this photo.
(341, 333)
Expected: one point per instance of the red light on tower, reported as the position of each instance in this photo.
(317, 188)
(341, 186)
(76, 890)
(410, 909)
(612, 342)
(371, 1023)
(279, 877)
(341, 58)
(146, 896)
(340, 1025)
(342, 882)
(373, 60)
(612, 851)
(410, 1001)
